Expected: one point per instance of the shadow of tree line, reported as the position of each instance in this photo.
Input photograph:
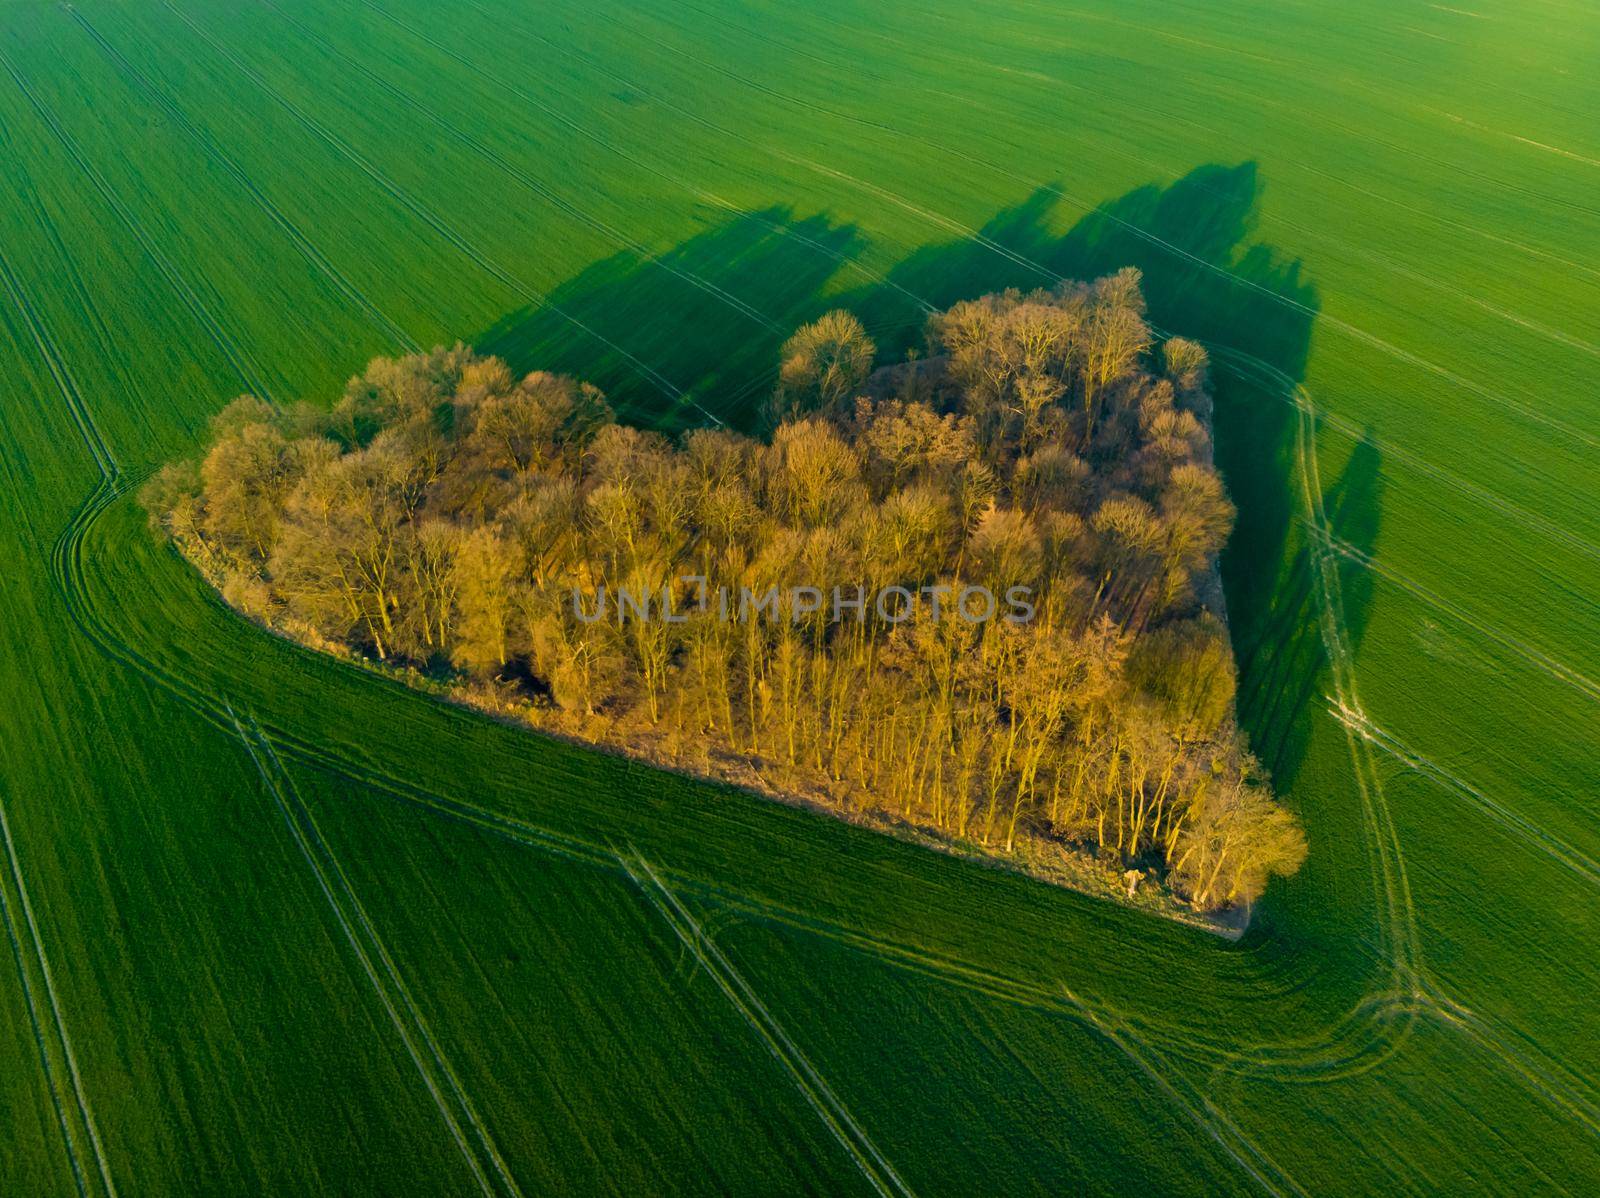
(1205, 276)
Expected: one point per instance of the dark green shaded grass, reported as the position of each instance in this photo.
(600, 1059)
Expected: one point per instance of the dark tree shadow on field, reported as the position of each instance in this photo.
(1354, 507)
(1283, 671)
(684, 328)
(1204, 277)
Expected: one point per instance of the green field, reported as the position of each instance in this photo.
(247, 954)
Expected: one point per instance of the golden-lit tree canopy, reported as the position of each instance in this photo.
(1038, 495)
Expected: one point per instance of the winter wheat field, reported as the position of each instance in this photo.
(252, 946)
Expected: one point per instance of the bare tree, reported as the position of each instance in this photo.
(823, 366)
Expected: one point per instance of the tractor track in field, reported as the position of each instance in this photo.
(1559, 1087)
(1356, 133)
(432, 219)
(77, 1118)
(209, 146)
(388, 984)
(1354, 331)
(1144, 108)
(1336, 1053)
(36, 1023)
(94, 439)
(743, 998)
(60, 372)
(511, 88)
(248, 372)
(68, 1095)
(1534, 835)
(495, 159)
(1400, 927)
(1516, 646)
(1533, 521)
(1195, 1103)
